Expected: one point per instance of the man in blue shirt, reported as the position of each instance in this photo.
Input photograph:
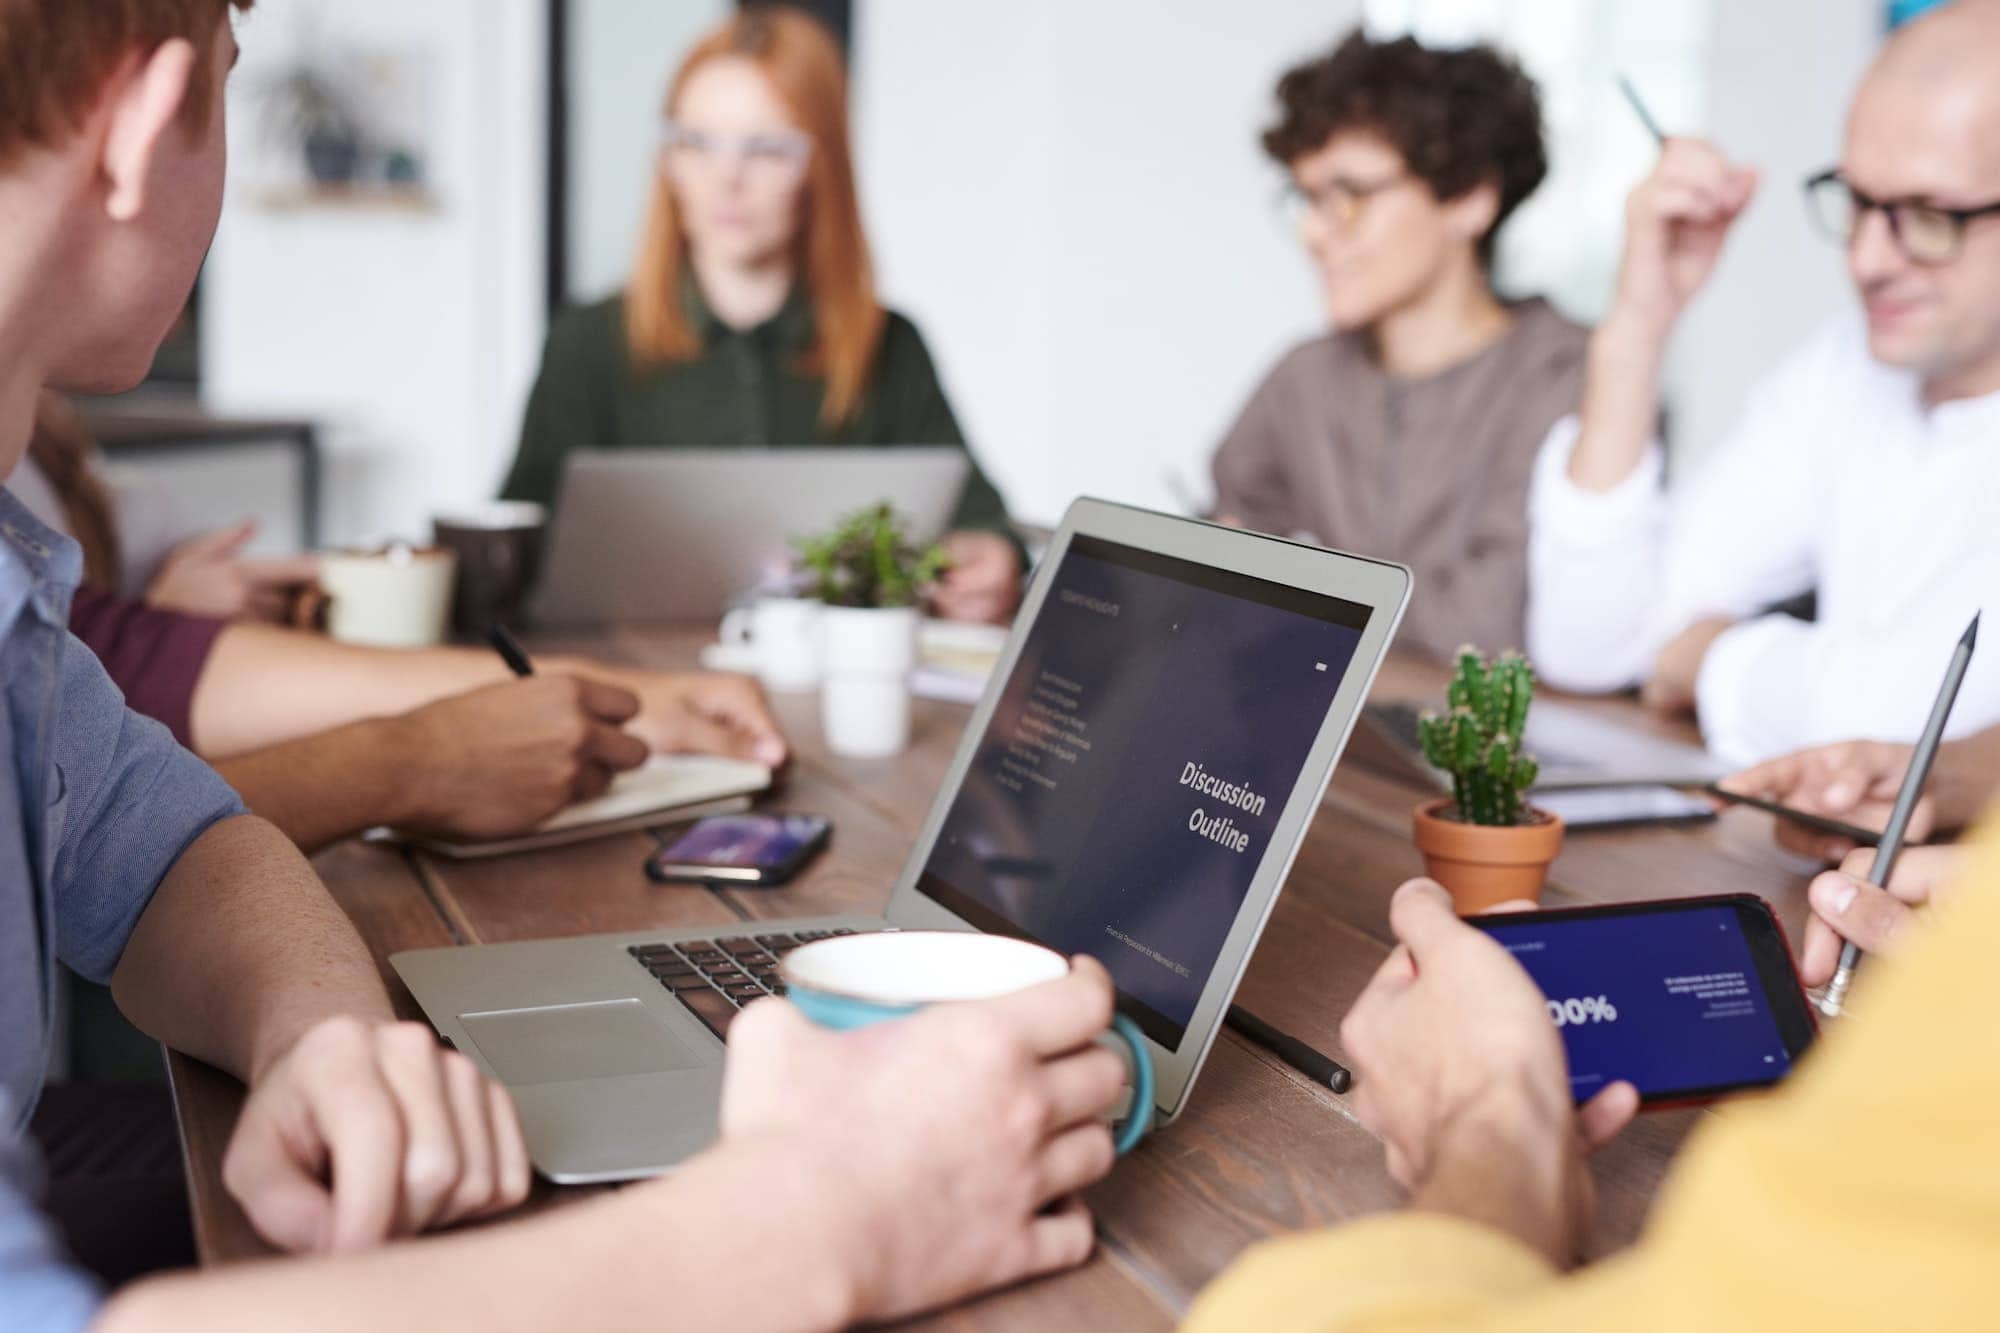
(860, 1176)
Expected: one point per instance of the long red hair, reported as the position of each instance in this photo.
(804, 66)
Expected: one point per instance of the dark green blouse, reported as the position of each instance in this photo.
(745, 388)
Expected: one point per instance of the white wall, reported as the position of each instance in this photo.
(1780, 78)
(413, 335)
(1069, 200)
(621, 54)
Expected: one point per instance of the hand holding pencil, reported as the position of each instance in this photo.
(1676, 221)
(1882, 862)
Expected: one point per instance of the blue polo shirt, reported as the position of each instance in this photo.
(96, 804)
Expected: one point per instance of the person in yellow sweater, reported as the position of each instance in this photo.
(1864, 1193)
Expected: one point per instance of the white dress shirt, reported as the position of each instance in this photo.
(1838, 478)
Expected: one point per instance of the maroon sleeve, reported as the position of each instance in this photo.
(154, 656)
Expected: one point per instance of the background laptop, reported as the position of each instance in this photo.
(677, 534)
(1134, 784)
(1576, 749)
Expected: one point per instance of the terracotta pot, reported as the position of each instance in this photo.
(1481, 865)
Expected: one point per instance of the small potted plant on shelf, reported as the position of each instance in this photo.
(868, 573)
(309, 110)
(1485, 843)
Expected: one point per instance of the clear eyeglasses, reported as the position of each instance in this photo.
(1925, 232)
(776, 154)
(1339, 202)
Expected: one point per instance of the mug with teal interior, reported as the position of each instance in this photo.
(852, 981)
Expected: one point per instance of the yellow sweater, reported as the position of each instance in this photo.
(1865, 1194)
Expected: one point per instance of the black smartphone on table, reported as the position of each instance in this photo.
(1688, 999)
(747, 849)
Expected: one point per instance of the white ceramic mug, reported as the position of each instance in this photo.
(853, 981)
(399, 597)
(865, 703)
(782, 635)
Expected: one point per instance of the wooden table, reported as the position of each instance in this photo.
(1259, 1149)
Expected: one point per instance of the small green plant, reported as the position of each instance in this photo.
(1479, 741)
(868, 560)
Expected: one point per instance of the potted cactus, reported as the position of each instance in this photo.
(1485, 843)
(868, 573)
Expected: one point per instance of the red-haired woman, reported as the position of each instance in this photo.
(752, 318)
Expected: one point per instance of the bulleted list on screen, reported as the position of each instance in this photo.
(1050, 737)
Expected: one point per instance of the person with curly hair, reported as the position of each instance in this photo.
(1409, 429)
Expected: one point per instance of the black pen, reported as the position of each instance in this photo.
(1315, 1065)
(510, 650)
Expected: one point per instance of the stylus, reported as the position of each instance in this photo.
(1320, 1068)
(1906, 801)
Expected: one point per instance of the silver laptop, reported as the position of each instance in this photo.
(1576, 748)
(678, 534)
(1134, 785)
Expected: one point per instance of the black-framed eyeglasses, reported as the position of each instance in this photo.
(1927, 233)
(1339, 201)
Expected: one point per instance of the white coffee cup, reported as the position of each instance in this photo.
(865, 702)
(399, 597)
(782, 636)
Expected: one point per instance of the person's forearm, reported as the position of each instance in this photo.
(647, 1257)
(263, 686)
(1595, 566)
(1621, 403)
(241, 950)
(333, 785)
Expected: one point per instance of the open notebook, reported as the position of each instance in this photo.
(665, 788)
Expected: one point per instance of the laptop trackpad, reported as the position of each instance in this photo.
(566, 1042)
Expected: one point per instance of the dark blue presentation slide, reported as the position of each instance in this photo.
(1129, 782)
(1670, 1001)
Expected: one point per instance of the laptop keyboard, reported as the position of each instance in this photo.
(715, 978)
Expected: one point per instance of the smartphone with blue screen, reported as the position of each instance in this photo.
(752, 849)
(1689, 999)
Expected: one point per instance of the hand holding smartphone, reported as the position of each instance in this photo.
(1688, 999)
(753, 849)
(1805, 819)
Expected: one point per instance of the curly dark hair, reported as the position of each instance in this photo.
(1460, 118)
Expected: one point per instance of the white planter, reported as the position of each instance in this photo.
(867, 656)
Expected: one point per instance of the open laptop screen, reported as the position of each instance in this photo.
(1132, 773)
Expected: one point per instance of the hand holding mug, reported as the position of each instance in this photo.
(210, 576)
(959, 1135)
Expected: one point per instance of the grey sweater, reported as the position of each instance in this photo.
(1431, 472)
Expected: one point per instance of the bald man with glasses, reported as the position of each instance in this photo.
(1866, 465)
